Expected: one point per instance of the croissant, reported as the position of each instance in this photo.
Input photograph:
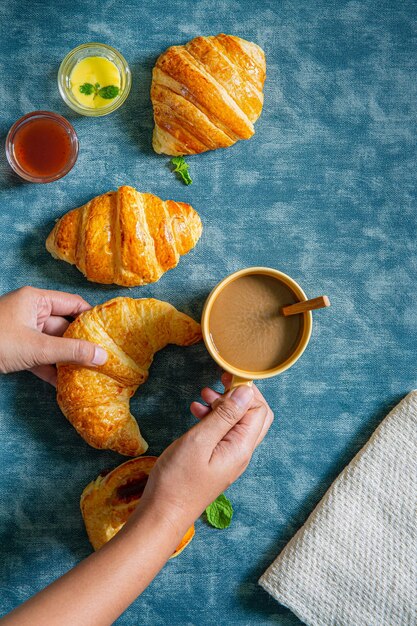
(107, 502)
(96, 401)
(206, 94)
(125, 237)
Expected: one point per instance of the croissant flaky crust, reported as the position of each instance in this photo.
(206, 94)
(125, 237)
(107, 502)
(96, 401)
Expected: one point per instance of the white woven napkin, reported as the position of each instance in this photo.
(353, 563)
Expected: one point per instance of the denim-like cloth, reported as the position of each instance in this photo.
(324, 191)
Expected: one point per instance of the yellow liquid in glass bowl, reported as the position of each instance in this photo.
(94, 70)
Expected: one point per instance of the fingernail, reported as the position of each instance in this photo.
(242, 395)
(100, 356)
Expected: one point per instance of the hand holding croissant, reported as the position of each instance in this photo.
(31, 324)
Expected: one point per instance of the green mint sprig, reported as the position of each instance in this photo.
(181, 168)
(108, 93)
(220, 512)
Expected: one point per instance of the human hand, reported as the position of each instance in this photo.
(187, 477)
(31, 324)
(198, 466)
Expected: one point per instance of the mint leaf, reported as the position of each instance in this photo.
(220, 512)
(87, 89)
(109, 92)
(181, 168)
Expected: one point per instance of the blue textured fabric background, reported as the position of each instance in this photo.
(324, 191)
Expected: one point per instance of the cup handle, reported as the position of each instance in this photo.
(238, 380)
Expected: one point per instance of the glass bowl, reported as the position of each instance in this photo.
(19, 167)
(90, 50)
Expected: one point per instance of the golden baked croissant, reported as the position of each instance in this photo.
(96, 401)
(107, 502)
(125, 237)
(206, 94)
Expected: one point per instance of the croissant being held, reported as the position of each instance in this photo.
(96, 401)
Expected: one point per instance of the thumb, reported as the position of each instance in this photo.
(65, 350)
(227, 411)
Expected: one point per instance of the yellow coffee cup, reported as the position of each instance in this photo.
(242, 376)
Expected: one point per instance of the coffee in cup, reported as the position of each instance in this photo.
(244, 328)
